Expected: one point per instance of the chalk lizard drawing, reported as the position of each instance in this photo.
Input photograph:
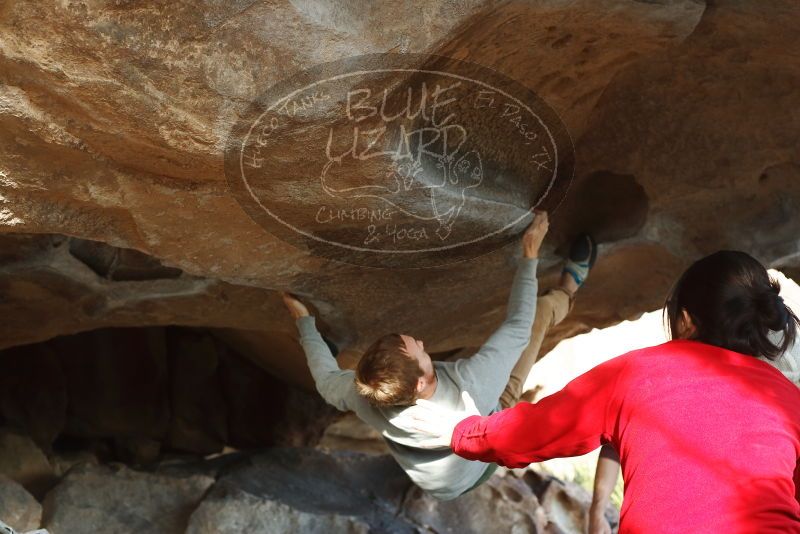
(438, 193)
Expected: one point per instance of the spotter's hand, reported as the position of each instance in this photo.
(434, 423)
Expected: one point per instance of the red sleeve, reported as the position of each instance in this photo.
(797, 481)
(567, 423)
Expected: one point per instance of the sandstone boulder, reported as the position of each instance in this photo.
(300, 490)
(113, 134)
(234, 512)
(22, 461)
(18, 508)
(104, 499)
(504, 504)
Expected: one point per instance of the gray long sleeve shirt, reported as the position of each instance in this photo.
(484, 375)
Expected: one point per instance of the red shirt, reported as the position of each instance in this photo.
(709, 438)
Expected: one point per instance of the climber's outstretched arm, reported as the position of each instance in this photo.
(489, 368)
(334, 384)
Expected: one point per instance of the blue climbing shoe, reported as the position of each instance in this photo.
(582, 255)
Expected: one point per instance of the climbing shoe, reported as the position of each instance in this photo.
(582, 255)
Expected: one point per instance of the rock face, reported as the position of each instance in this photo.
(92, 499)
(116, 212)
(18, 508)
(281, 489)
(502, 504)
(23, 462)
(518, 501)
(114, 118)
(231, 513)
(300, 490)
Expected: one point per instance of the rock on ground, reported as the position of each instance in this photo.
(287, 490)
(504, 504)
(18, 508)
(22, 461)
(92, 499)
(235, 512)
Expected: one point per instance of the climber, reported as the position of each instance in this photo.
(395, 371)
(608, 462)
(708, 434)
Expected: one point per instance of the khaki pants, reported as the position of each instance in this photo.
(551, 308)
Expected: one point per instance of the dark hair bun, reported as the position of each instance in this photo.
(773, 312)
(733, 304)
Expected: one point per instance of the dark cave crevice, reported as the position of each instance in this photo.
(134, 394)
(119, 264)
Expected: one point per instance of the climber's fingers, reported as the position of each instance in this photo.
(296, 308)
